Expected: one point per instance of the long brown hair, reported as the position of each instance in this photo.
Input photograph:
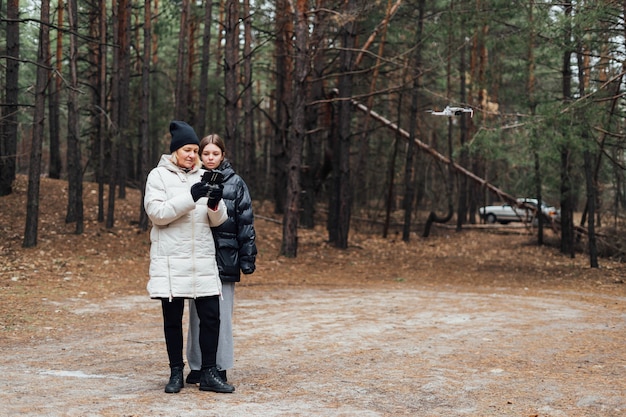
(215, 139)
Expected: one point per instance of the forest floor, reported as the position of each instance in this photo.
(481, 322)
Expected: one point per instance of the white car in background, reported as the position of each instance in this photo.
(507, 213)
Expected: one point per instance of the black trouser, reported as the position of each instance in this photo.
(209, 314)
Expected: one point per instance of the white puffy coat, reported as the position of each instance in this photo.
(182, 251)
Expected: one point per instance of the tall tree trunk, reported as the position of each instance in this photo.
(231, 77)
(532, 104)
(114, 130)
(452, 174)
(409, 168)
(102, 130)
(54, 89)
(312, 171)
(189, 78)
(8, 121)
(204, 68)
(216, 103)
(616, 99)
(124, 145)
(144, 123)
(591, 206)
(289, 246)
(464, 157)
(93, 15)
(588, 146)
(34, 173)
(74, 163)
(248, 141)
(567, 229)
(604, 71)
(343, 192)
(156, 147)
(283, 96)
(567, 206)
(391, 175)
(181, 110)
(478, 81)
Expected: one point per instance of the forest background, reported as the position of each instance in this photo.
(326, 106)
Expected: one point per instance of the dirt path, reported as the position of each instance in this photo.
(341, 352)
(475, 323)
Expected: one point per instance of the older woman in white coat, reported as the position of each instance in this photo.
(183, 265)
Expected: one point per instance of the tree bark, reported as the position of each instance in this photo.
(114, 130)
(530, 87)
(461, 215)
(231, 76)
(144, 124)
(282, 100)
(181, 110)
(74, 164)
(188, 90)
(8, 121)
(204, 68)
(289, 246)
(591, 206)
(216, 104)
(588, 145)
(391, 175)
(248, 141)
(34, 173)
(341, 156)
(316, 116)
(126, 152)
(54, 89)
(567, 209)
(409, 167)
(104, 154)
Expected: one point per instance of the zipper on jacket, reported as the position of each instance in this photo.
(169, 277)
(193, 248)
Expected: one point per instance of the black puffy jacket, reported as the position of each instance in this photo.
(235, 239)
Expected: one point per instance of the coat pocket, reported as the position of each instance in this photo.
(228, 256)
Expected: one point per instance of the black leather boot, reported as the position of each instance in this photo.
(210, 380)
(223, 375)
(193, 377)
(176, 380)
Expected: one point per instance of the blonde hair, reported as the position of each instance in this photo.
(174, 158)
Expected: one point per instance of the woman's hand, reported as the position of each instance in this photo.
(215, 195)
(199, 190)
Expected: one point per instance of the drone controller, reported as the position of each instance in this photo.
(213, 177)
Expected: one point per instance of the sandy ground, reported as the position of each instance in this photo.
(482, 322)
(341, 352)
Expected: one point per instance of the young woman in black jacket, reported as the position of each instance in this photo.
(236, 253)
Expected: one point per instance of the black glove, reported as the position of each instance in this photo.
(215, 195)
(199, 190)
(247, 270)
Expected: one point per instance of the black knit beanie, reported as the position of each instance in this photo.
(182, 134)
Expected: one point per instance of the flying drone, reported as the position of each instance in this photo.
(452, 111)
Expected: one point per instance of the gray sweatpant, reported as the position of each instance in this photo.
(225, 347)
